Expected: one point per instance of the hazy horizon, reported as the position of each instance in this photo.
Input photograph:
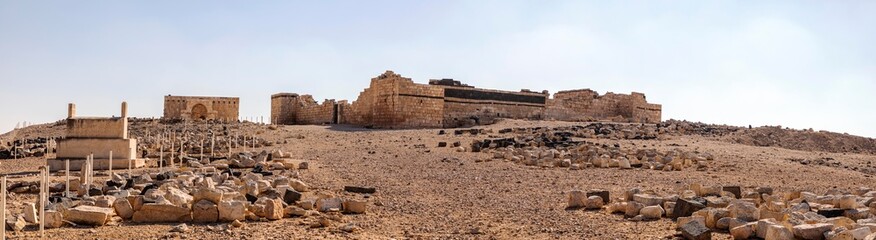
(798, 64)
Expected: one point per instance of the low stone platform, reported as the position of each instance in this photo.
(99, 164)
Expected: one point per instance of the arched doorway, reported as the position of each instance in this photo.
(199, 111)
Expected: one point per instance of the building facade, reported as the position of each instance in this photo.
(191, 108)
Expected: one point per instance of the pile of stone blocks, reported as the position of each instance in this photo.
(759, 212)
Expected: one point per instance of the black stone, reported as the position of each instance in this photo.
(271, 193)
(129, 184)
(601, 193)
(112, 183)
(291, 196)
(476, 146)
(831, 212)
(251, 198)
(736, 190)
(441, 132)
(94, 191)
(442, 144)
(684, 207)
(355, 189)
(147, 187)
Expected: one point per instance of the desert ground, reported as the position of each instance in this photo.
(428, 192)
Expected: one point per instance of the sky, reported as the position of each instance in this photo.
(799, 64)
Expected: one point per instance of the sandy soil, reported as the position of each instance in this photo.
(438, 193)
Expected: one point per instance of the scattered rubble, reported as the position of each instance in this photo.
(701, 210)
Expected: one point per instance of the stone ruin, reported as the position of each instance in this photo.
(105, 139)
(192, 108)
(757, 213)
(192, 193)
(393, 101)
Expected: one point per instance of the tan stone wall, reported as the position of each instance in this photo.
(79, 127)
(217, 108)
(76, 148)
(310, 112)
(283, 108)
(587, 105)
(290, 108)
(392, 101)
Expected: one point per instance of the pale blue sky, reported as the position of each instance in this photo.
(799, 64)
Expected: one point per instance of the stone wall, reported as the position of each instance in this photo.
(291, 108)
(588, 105)
(114, 127)
(393, 101)
(201, 108)
(283, 108)
(467, 106)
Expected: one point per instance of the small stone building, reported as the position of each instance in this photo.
(189, 108)
(101, 136)
(393, 101)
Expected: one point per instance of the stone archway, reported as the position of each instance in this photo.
(199, 112)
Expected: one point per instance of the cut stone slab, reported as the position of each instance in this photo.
(812, 231)
(123, 208)
(735, 190)
(648, 199)
(355, 189)
(232, 210)
(355, 207)
(205, 211)
(89, 215)
(745, 231)
(16, 223)
(695, 230)
(778, 232)
(274, 209)
(577, 199)
(684, 208)
(327, 204)
(606, 198)
(54, 219)
(291, 196)
(155, 212)
(30, 214)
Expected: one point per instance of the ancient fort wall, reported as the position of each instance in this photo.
(393, 101)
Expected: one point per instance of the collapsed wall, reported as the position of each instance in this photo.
(291, 108)
(393, 101)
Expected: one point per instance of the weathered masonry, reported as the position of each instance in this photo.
(393, 101)
(201, 108)
(104, 137)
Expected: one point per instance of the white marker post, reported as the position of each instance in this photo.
(212, 144)
(44, 194)
(67, 173)
(202, 150)
(160, 152)
(172, 148)
(3, 207)
(111, 164)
